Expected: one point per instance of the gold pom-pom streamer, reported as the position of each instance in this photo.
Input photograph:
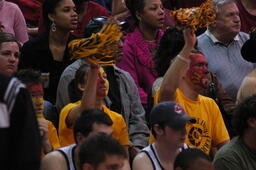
(196, 17)
(101, 48)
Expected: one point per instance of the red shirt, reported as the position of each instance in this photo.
(247, 20)
(30, 9)
(93, 10)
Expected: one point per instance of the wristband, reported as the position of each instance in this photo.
(185, 60)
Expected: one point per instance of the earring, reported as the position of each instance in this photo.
(53, 26)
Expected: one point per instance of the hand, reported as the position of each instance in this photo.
(190, 38)
(1, 27)
(43, 128)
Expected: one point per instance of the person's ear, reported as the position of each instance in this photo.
(79, 137)
(158, 130)
(252, 122)
(138, 16)
(87, 166)
(51, 17)
(81, 87)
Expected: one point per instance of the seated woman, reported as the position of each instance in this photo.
(48, 53)
(87, 91)
(139, 45)
(9, 53)
(13, 21)
(86, 11)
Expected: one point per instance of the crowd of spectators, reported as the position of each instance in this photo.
(175, 97)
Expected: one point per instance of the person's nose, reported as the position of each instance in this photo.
(237, 18)
(12, 58)
(74, 13)
(161, 11)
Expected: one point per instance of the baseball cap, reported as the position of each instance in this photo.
(248, 48)
(170, 113)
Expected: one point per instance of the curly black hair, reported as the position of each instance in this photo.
(243, 112)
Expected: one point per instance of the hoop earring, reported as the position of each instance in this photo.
(53, 26)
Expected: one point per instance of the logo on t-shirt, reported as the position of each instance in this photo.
(198, 135)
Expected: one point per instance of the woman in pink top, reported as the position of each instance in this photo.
(12, 21)
(139, 45)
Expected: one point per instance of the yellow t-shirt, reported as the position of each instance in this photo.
(209, 128)
(53, 136)
(120, 131)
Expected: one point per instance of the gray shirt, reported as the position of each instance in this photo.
(132, 110)
(226, 61)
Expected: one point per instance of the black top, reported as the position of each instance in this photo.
(36, 54)
(20, 145)
(114, 90)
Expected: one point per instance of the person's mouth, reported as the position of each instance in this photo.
(161, 20)
(11, 67)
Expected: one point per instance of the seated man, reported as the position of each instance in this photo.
(182, 82)
(239, 154)
(101, 152)
(168, 121)
(192, 159)
(123, 95)
(88, 89)
(221, 45)
(89, 123)
(33, 82)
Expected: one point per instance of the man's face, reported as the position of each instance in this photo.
(96, 129)
(37, 93)
(101, 128)
(228, 21)
(175, 137)
(112, 162)
(102, 84)
(197, 73)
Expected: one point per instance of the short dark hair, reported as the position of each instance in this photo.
(8, 37)
(243, 112)
(29, 76)
(188, 156)
(86, 119)
(96, 148)
(75, 94)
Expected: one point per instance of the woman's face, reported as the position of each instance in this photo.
(65, 16)
(9, 57)
(152, 14)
